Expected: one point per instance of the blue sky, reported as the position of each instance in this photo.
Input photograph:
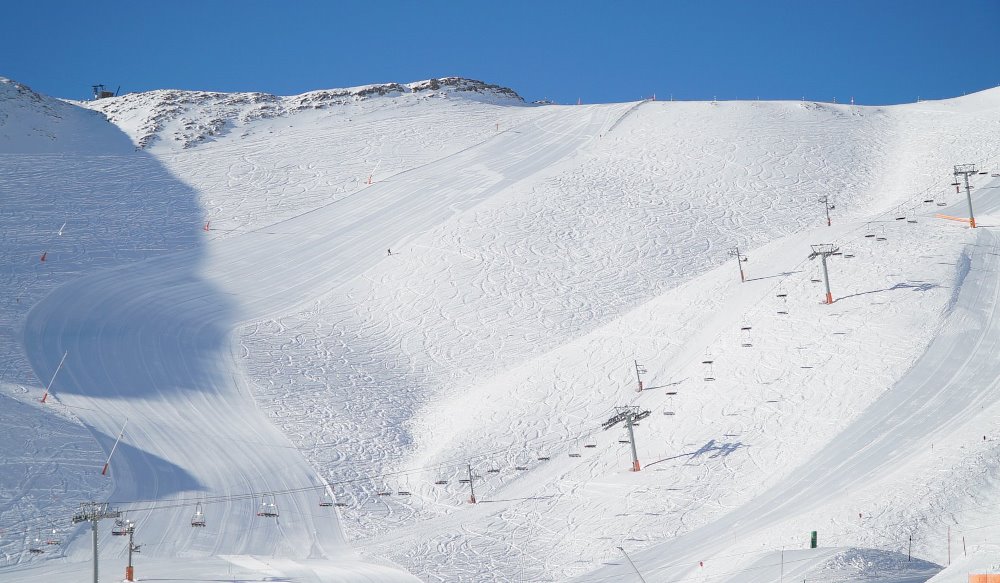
(877, 51)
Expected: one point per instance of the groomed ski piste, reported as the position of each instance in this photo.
(359, 297)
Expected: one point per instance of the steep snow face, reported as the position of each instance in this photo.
(187, 118)
(34, 123)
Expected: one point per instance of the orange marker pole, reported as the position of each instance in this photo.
(53, 379)
(104, 471)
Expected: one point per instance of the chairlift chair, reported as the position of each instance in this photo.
(590, 445)
(709, 370)
(747, 342)
(36, 547)
(327, 500)
(493, 469)
(942, 204)
(120, 528)
(52, 539)
(783, 308)
(575, 452)
(268, 509)
(441, 482)
(198, 518)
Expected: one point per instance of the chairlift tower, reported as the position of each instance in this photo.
(740, 259)
(964, 170)
(825, 201)
(639, 371)
(94, 512)
(629, 414)
(470, 481)
(824, 250)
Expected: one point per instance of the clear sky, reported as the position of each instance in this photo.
(878, 51)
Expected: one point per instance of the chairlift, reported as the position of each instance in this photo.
(543, 458)
(709, 370)
(493, 469)
(268, 509)
(983, 172)
(911, 221)
(848, 255)
(995, 175)
(590, 445)
(464, 481)
(327, 500)
(747, 341)
(902, 218)
(52, 539)
(928, 200)
(403, 493)
(36, 547)
(520, 468)
(942, 204)
(441, 482)
(198, 518)
(120, 528)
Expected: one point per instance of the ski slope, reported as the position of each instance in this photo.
(223, 282)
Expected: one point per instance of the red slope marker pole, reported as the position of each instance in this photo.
(44, 254)
(104, 472)
(53, 379)
(206, 227)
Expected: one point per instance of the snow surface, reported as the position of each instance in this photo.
(536, 253)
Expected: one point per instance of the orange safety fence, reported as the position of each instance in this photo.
(962, 219)
(984, 578)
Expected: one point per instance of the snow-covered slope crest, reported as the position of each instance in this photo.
(35, 123)
(187, 118)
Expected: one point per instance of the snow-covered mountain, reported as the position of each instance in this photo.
(352, 294)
